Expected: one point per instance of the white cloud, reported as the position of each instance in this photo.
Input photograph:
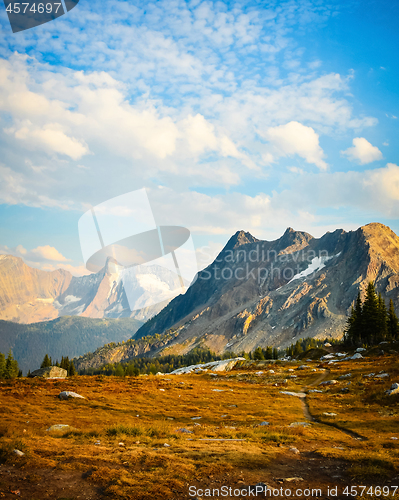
(49, 138)
(45, 258)
(295, 138)
(39, 254)
(48, 253)
(296, 170)
(362, 151)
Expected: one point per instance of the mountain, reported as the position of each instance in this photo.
(30, 295)
(259, 293)
(66, 336)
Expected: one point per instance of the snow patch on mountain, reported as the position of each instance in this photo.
(316, 265)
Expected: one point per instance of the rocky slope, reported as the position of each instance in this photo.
(30, 295)
(260, 293)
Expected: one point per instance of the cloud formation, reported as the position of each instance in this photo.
(362, 151)
(295, 138)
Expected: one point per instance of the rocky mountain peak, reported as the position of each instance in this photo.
(238, 239)
(292, 240)
(111, 266)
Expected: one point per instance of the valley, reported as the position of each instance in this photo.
(154, 437)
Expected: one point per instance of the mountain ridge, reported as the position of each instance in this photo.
(234, 309)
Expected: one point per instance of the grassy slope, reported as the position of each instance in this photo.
(144, 413)
(65, 336)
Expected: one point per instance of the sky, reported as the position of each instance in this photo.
(247, 115)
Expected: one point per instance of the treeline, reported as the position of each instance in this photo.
(9, 366)
(370, 322)
(260, 354)
(302, 345)
(163, 364)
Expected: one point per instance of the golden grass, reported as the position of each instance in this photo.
(144, 418)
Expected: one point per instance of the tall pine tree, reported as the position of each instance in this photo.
(46, 362)
(392, 323)
(370, 317)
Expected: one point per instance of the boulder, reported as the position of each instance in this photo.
(329, 382)
(296, 394)
(223, 365)
(59, 427)
(68, 394)
(393, 390)
(50, 372)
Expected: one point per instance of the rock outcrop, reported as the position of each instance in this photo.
(50, 372)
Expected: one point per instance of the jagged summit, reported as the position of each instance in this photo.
(292, 240)
(240, 238)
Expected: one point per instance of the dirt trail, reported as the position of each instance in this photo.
(311, 418)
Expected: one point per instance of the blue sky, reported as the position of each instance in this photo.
(234, 115)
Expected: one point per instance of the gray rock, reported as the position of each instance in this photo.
(65, 395)
(263, 424)
(18, 453)
(393, 390)
(50, 372)
(59, 427)
(347, 375)
(184, 430)
(329, 382)
(295, 450)
(296, 394)
(299, 424)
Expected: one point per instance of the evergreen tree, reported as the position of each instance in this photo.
(298, 348)
(370, 316)
(354, 324)
(71, 370)
(275, 353)
(269, 353)
(258, 354)
(382, 331)
(2, 365)
(11, 369)
(46, 362)
(392, 323)
(65, 363)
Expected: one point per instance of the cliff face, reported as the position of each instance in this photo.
(27, 295)
(30, 295)
(271, 293)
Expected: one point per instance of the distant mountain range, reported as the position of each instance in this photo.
(255, 293)
(67, 336)
(259, 293)
(30, 295)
